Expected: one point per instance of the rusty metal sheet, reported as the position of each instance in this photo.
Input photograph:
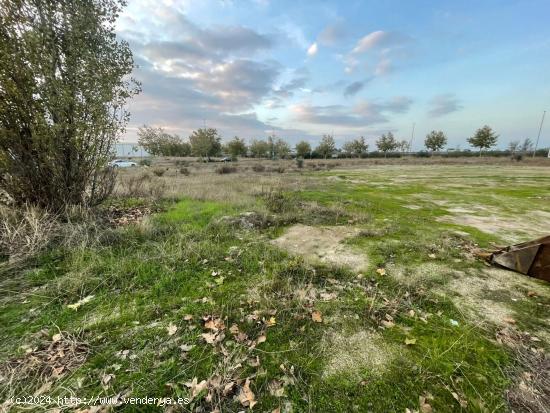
(530, 258)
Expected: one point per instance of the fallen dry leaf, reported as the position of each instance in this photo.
(187, 317)
(210, 338)
(316, 316)
(186, 347)
(276, 388)
(410, 341)
(228, 387)
(509, 320)
(381, 271)
(463, 403)
(246, 396)
(171, 329)
(388, 324)
(234, 329)
(214, 324)
(57, 337)
(271, 322)
(196, 387)
(261, 339)
(107, 378)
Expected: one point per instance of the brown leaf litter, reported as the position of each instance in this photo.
(44, 365)
(530, 391)
(119, 216)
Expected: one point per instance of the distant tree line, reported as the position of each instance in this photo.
(206, 143)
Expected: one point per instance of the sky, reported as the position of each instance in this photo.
(301, 69)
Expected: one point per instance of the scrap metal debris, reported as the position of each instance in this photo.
(530, 258)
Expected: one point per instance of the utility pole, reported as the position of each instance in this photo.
(538, 136)
(412, 137)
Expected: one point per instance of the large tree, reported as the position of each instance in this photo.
(281, 148)
(259, 148)
(205, 142)
(327, 146)
(386, 143)
(159, 143)
(484, 138)
(356, 147)
(64, 82)
(236, 147)
(435, 140)
(303, 149)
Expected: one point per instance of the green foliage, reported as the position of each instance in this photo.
(259, 148)
(484, 138)
(403, 146)
(159, 143)
(64, 82)
(327, 146)
(356, 147)
(387, 143)
(236, 147)
(281, 149)
(435, 140)
(303, 149)
(205, 142)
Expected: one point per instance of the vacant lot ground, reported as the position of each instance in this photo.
(340, 287)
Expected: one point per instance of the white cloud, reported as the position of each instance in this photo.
(312, 50)
(369, 41)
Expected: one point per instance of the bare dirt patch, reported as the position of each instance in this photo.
(324, 244)
(354, 354)
(513, 229)
(490, 293)
(485, 295)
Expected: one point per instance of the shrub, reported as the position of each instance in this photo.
(423, 154)
(277, 169)
(258, 168)
(141, 186)
(517, 157)
(159, 171)
(225, 169)
(145, 162)
(299, 163)
(277, 201)
(184, 171)
(52, 151)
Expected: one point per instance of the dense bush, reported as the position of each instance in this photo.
(226, 169)
(159, 171)
(258, 168)
(64, 82)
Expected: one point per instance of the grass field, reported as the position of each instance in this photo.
(352, 288)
